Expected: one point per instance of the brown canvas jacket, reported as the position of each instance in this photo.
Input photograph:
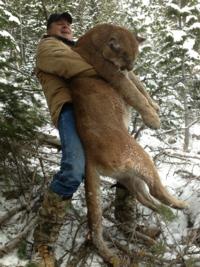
(56, 62)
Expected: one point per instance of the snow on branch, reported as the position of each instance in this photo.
(177, 35)
(183, 10)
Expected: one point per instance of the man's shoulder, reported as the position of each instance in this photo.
(48, 39)
(56, 39)
(49, 43)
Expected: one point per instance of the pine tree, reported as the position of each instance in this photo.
(179, 46)
(20, 105)
(169, 59)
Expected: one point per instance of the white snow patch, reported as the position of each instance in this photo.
(12, 18)
(2, 80)
(12, 260)
(188, 18)
(6, 34)
(177, 35)
(193, 54)
(146, 2)
(189, 43)
(196, 25)
(180, 10)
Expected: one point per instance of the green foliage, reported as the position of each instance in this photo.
(166, 213)
(190, 262)
(167, 68)
(159, 249)
(21, 252)
(20, 104)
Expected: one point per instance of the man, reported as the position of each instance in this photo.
(55, 63)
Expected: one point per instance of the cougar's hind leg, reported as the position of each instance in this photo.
(137, 187)
(145, 170)
(144, 197)
(158, 191)
(92, 188)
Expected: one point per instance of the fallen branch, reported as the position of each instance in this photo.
(11, 213)
(81, 254)
(178, 129)
(135, 234)
(49, 140)
(11, 245)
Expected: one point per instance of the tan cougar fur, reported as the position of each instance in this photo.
(100, 109)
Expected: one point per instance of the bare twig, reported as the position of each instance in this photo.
(83, 252)
(8, 247)
(10, 213)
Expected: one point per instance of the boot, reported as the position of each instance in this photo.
(43, 257)
(50, 219)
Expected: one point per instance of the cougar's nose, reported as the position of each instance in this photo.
(130, 65)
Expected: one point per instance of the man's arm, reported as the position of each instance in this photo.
(55, 57)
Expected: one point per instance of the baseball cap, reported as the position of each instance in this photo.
(59, 16)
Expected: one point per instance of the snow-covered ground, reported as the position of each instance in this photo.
(179, 172)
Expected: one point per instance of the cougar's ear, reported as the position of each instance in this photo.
(100, 34)
(114, 44)
(140, 39)
(96, 39)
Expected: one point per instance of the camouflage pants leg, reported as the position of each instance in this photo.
(125, 213)
(124, 205)
(50, 219)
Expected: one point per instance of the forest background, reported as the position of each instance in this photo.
(168, 64)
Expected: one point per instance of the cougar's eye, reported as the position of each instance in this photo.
(114, 45)
(125, 55)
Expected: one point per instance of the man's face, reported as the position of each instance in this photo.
(61, 28)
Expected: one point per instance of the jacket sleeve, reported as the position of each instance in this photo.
(55, 57)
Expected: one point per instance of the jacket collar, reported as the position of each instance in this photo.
(65, 41)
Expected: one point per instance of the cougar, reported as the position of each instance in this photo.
(101, 106)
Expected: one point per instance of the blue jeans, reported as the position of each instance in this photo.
(72, 169)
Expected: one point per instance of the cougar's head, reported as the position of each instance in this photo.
(121, 50)
(117, 45)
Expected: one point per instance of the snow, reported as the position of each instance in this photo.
(4, 81)
(177, 35)
(169, 166)
(173, 232)
(2, 59)
(4, 33)
(189, 43)
(182, 10)
(197, 6)
(193, 54)
(190, 189)
(12, 260)
(190, 17)
(11, 17)
(195, 25)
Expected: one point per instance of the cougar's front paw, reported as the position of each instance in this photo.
(155, 106)
(152, 120)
